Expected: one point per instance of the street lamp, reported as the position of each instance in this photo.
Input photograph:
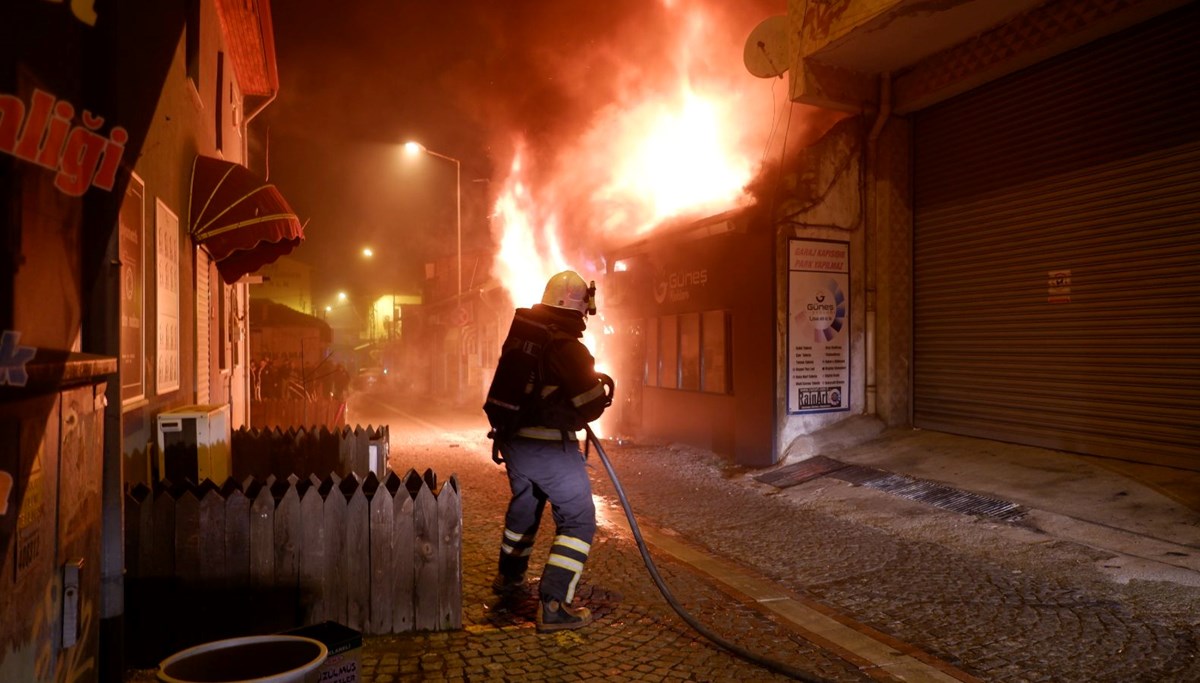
(414, 148)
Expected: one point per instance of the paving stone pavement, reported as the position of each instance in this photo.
(994, 601)
(975, 593)
(635, 637)
(987, 597)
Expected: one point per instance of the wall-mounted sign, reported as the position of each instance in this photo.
(1058, 287)
(166, 246)
(678, 285)
(818, 326)
(50, 136)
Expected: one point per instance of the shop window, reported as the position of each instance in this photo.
(651, 374)
(689, 351)
(668, 350)
(714, 352)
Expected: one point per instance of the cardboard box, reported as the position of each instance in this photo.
(345, 650)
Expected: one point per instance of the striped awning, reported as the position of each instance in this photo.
(243, 221)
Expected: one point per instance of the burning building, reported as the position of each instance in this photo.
(939, 232)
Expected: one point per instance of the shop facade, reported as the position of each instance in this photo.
(1027, 261)
(693, 344)
(997, 240)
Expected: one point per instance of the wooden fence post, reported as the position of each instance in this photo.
(139, 537)
(139, 530)
(262, 537)
(358, 556)
(312, 555)
(403, 610)
(362, 449)
(344, 457)
(425, 557)
(211, 535)
(289, 540)
(383, 565)
(449, 506)
(162, 544)
(187, 536)
(335, 522)
(237, 536)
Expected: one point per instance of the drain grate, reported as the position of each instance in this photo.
(927, 492)
(801, 472)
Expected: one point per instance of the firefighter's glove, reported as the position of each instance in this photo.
(610, 387)
(496, 458)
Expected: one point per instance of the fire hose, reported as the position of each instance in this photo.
(766, 663)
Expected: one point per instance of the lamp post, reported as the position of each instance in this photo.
(412, 148)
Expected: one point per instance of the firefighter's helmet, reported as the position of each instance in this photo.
(568, 290)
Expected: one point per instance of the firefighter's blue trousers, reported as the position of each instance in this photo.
(555, 471)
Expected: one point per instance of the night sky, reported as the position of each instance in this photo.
(463, 77)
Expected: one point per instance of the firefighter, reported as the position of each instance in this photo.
(544, 460)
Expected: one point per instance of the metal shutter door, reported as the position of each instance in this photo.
(203, 315)
(1088, 166)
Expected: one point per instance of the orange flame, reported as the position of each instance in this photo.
(529, 250)
(657, 154)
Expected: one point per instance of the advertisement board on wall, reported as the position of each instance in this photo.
(131, 237)
(818, 326)
(167, 266)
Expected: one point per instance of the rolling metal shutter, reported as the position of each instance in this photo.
(203, 315)
(1057, 252)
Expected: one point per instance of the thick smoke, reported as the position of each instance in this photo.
(475, 79)
(574, 83)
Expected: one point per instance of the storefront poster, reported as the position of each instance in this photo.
(818, 326)
(133, 269)
(167, 266)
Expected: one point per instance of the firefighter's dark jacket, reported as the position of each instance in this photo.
(572, 393)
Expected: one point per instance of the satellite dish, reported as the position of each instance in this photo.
(766, 51)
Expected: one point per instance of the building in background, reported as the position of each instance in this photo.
(287, 281)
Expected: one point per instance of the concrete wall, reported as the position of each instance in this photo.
(825, 201)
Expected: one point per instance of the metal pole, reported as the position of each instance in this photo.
(458, 220)
(458, 361)
(457, 209)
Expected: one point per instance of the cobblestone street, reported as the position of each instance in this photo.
(966, 598)
(843, 583)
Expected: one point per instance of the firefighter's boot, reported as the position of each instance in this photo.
(507, 585)
(556, 616)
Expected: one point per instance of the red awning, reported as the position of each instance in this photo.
(243, 221)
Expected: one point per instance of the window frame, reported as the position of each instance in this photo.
(664, 356)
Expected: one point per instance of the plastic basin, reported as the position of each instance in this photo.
(257, 659)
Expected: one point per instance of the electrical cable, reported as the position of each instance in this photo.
(766, 663)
